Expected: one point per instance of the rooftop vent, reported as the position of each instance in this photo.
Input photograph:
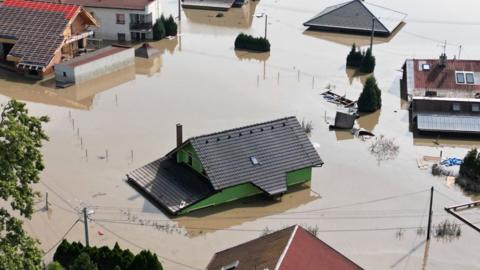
(254, 160)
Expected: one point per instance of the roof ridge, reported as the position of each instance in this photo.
(287, 246)
(243, 127)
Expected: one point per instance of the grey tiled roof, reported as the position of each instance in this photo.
(171, 184)
(280, 146)
(448, 123)
(38, 33)
(352, 15)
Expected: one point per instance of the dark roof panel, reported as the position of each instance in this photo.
(280, 146)
(173, 185)
(448, 123)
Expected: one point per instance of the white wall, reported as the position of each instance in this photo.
(107, 19)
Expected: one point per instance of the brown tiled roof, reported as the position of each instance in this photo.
(289, 249)
(443, 77)
(120, 4)
(38, 33)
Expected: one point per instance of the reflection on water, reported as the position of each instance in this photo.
(148, 66)
(241, 17)
(246, 55)
(448, 141)
(78, 96)
(342, 135)
(349, 39)
(235, 213)
(354, 75)
(369, 121)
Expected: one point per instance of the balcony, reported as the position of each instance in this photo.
(141, 26)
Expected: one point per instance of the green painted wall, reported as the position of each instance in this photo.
(226, 195)
(299, 176)
(182, 157)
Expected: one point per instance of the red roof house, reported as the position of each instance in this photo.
(292, 248)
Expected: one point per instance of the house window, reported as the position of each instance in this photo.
(475, 107)
(190, 159)
(121, 37)
(120, 18)
(64, 74)
(456, 107)
(470, 78)
(460, 77)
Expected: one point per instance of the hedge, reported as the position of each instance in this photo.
(364, 61)
(247, 42)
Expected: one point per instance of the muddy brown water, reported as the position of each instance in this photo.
(201, 82)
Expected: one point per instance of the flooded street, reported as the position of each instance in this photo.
(369, 210)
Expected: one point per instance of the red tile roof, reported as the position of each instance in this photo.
(120, 4)
(443, 78)
(307, 252)
(68, 10)
(292, 248)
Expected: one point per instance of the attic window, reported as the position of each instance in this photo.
(470, 78)
(460, 77)
(254, 160)
(231, 266)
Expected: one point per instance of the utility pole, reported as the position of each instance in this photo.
(266, 23)
(430, 212)
(85, 222)
(371, 37)
(179, 10)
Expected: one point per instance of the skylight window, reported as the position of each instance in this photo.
(425, 67)
(460, 77)
(470, 78)
(254, 160)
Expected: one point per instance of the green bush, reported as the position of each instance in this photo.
(470, 172)
(170, 26)
(55, 266)
(354, 58)
(247, 42)
(364, 61)
(158, 30)
(370, 99)
(105, 258)
(83, 262)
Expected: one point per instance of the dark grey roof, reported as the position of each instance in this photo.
(280, 146)
(173, 185)
(448, 123)
(38, 33)
(146, 51)
(356, 16)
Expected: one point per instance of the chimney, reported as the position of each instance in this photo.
(179, 134)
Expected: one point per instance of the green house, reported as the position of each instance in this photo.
(203, 171)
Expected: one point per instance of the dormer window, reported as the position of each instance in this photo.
(460, 77)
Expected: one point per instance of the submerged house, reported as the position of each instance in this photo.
(288, 249)
(357, 17)
(444, 94)
(212, 169)
(34, 36)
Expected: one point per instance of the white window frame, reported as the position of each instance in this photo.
(456, 107)
(473, 77)
(456, 77)
(475, 107)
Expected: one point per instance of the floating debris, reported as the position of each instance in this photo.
(384, 149)
(337, 99)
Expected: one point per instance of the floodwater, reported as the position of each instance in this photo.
(366, 209)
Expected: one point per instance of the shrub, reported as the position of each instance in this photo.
(170, 26)
(368, 62)
(83, 262)
(248, 42)
(354, 58)
(370, 99)
(55, 266)
(470, 172)
(159, 29)
(105, 258)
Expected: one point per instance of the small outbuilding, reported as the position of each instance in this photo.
(357, 17)
(265, 158)
(93, 65)
(287, 249)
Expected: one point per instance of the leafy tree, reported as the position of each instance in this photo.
(21, 137)
(158, 29)
(146, 260)
(170, 25)
(370, 99)
(368, 62)
(55, 266)
(470, 172)
(83, 262)
(247, 42)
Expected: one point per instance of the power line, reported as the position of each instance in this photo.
(61, 239)
(140, 247)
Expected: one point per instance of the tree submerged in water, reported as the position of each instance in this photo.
(370, 99)
(247, 42)
(384, 149)
(469, 178)
(364, 61)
